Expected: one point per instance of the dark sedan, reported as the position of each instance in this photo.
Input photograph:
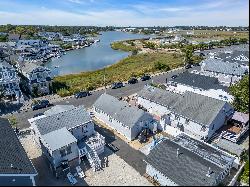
(133, 81)
(82, 94)
(117, 85)
(145, 77)
(40, 104)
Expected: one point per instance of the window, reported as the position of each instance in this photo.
(68, 150)
(110, 118)
(63, 152)
(213, 127)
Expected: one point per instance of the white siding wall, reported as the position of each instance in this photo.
(57, 156)
(164, 181)
(125, 131)
(83, 130)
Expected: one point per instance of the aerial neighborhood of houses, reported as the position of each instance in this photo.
(185, 132)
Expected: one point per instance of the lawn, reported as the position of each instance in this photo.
(135, 65)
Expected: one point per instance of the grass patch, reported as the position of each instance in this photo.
(135, 65)
(124, 46)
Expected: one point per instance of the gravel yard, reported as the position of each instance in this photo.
(116, 173)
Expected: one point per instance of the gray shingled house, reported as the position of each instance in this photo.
(185, 161)
(120, 116)
(16, 168)
(194, 114)
(67, 133)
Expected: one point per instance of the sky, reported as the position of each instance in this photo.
(125, 12)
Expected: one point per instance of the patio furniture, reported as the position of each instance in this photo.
(71, 178)
(80, 172)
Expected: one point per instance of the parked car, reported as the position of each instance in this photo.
(188, 66)
(82, 94)
(39, 114)
(145, 77)
(174, 76)
(132, 80)
(40, 104)
(113, 147)
(117, 85)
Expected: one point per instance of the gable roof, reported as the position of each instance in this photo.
(219, 66)
(160, 96)
(58, 109)
(59, 138)
(198, 108)
(199, 81)
(191, 166)
(119, 110)
(12, 153)
(69, 119)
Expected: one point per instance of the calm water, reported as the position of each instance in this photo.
(93, 57)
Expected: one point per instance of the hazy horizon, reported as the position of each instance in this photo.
(134, 13)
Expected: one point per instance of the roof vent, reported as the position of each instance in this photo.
(177, 152)
(209, 172)
(11, 165)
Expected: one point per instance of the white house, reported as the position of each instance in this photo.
(36, 76)
(67, 133)
(9, 82)
(120, 116)
(16, 169)
(184, 161)
(197, 115)
(200, 84)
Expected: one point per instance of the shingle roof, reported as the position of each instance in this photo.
(58, 109)
(29, 67)
(160, 96)
(119, 110)
(12, 152)
(69, 119)
(199, 81)
(59, 138)
(219, 66)
(192, 164)
(240, 57)
(198, 108)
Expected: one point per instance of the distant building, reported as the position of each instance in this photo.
(16, 168)
(14, 37)
(67, 133)
(126, 120)
(197, 115)
(185, 161)
(9, 82)
(200, 84)
(35, 76)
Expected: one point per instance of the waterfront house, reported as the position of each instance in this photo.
(35, 77)
(226, 72)
(184, 161)
(16, 168)
(197, 115)
(200, 84)
(9, 82)
(33, 43)
(120, 116)
(66, 133)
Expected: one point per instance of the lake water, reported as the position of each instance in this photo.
(93, 57)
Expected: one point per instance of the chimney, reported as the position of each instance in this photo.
(177, 152)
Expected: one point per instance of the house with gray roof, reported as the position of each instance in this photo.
(200, 84)
(120, 116)
(197, 115)
(66, 134)
(16, 169)
(9, 82)
(226, 72)
(35, 78)
(184, 161)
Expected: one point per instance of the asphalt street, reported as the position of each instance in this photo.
(129, 89)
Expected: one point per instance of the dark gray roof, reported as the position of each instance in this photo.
(119, 110)
(240, 57)
(192, 164)
(15, 181)
(59, 138)
(12, 152)
(198, 108)
(219, 66)
(58, 109)
(160, 96)
(199, 81)
(69, 119)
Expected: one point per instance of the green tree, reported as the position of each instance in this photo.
(240, 91)
(13, 121)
